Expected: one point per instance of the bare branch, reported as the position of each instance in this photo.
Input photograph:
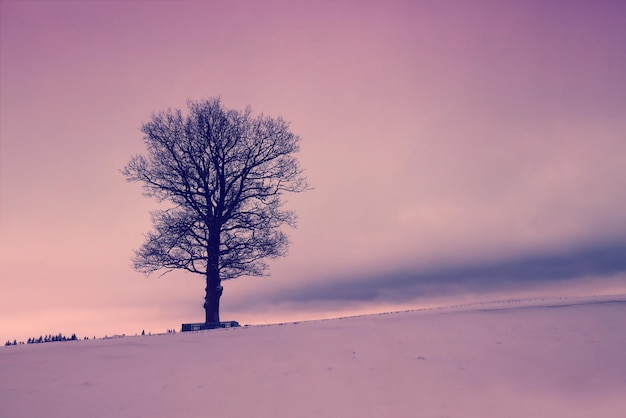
(225, 172)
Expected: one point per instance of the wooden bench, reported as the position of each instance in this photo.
(209, 325)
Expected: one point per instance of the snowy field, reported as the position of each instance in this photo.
(540, 358)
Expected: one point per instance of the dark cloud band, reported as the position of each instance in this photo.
(408, 284)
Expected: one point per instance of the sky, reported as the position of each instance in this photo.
(456, 149)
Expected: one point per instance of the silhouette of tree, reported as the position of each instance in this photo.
(224, 173)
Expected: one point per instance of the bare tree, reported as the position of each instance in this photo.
(224, 173)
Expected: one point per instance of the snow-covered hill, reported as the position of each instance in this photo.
(542, 358)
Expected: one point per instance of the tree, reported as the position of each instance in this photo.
(224, 173)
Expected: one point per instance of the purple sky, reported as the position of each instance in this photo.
(455, 148)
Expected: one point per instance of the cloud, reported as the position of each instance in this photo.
(403, 285)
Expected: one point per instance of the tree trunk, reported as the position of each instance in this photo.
(213, 280)
(212, 299)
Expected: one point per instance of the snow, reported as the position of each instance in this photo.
(541, 358)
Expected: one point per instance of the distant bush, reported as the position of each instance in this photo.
(45, 339)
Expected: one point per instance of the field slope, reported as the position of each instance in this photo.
(562, 358)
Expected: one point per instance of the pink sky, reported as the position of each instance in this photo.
(457, 136)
